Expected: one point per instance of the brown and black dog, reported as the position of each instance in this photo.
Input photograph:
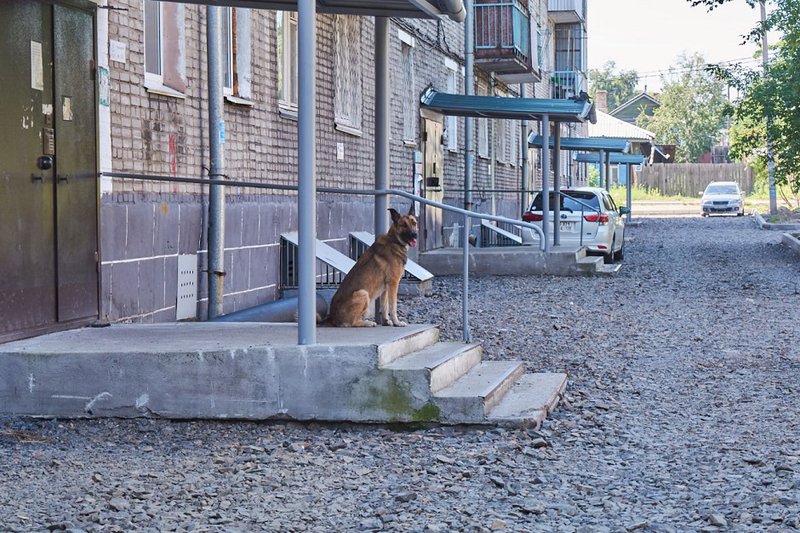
(376, 274)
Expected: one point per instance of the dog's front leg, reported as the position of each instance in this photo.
(391, 295)
(385, 310)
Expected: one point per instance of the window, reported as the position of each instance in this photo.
(287, 58)
(452, 121)
(483, 130)
(409, 104)
(236, 54)
(164, 58)
(349, 86)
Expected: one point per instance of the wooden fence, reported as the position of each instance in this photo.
(687, 179)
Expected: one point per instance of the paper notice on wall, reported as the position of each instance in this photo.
(104, 86)
(37, 67)
(116, 51)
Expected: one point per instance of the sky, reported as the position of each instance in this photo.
(649, 35)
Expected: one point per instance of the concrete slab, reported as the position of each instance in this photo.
(530, 400)
(777, 226)
(792, 240)
(504, 261)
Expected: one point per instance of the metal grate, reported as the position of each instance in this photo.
(186, 306)
(492, 235)
(331, 265)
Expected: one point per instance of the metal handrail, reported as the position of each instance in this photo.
(366, 192)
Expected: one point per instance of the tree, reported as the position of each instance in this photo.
(773, 95)
(621, 86)
(692, 109)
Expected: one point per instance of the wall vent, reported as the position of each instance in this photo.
(187, 287)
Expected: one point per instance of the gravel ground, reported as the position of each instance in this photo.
(680, 415)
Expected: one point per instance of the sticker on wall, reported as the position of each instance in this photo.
(104, 86)
(66, 108)
(37, 67)
(222, 132)
(116, 51)
(340, 151)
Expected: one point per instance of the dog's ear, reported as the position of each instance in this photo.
(395, 215)
(411, 210)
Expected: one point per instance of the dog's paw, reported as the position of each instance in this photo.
(400, 323)
(368, 324)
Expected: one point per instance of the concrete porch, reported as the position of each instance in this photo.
(257, 371)
(516, 261)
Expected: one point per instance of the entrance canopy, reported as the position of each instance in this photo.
(557, 110)
(584, 144)
(373, 8)
(614, 159)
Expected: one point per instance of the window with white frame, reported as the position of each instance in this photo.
(164, 46)
(407, 84)
(483, 129)
(286, 32)
(452, 121)
(349, 86)
(236, 54)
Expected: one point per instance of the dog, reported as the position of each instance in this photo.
(376, 274)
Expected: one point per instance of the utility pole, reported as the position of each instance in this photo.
(773, 201)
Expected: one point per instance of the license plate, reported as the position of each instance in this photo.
(567, 226)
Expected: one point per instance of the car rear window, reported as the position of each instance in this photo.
(570, 201)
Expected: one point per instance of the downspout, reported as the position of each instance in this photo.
(216, 194)
(493, 148)
(457, 10)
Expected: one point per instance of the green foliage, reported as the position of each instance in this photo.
(594, 176)
(771, 100)
(621, 86)
(692, 110)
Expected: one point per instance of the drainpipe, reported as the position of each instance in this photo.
(523, 196)
(307, 160)
(216, 194)
(469, 158)
(493, 148)
(457, 10)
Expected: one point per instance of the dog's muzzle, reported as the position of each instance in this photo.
(410, 238)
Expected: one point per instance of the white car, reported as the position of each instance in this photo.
(722, 198)
(588, 217)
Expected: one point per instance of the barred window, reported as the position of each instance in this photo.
(348, 99)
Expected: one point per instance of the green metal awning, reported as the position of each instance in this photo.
(373, 8)
(584, 144)
(558, 110)
(613, 158)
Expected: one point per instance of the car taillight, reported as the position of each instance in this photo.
(600, 218)
(532, 217)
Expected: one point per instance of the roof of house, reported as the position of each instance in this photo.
(608, 126)
(454, 9)
(561, 110)
(636, 102)
(606, 144)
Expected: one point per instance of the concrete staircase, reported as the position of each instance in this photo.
(257, 371)
(463, 389)
(593, 265)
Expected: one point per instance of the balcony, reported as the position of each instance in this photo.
(503, 40)
(566, 83)
(566, 11)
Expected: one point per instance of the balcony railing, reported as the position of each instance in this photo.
(503, 35)
(566, 83)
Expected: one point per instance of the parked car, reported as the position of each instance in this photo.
(588, 217)
(722, 198)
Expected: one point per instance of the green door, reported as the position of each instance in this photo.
(49, 228)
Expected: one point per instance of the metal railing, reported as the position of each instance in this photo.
(566, 83)
(503, 25)
(365, 192)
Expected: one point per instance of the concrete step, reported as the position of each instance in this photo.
(442, 363)
(590, 263)
(529, 401)
(469, 399)
(608, 270)
(413, 342)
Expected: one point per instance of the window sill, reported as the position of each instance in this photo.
(239, 101)
(453, 150)
(163, 90)
(350, 130)
(483, 156)
(409, 144)
(287, 111)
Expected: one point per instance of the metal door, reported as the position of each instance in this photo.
(432, 183)
(76, 166)
(36, 218)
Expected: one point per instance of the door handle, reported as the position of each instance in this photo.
(34, 177)
(63, 178)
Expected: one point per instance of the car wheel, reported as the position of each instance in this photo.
(609, 257)
(620, 254)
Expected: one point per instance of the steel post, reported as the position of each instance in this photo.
(216, 193)
(523, 197)
(629, 184)
(545, 179)
(307, 183)
(608, 170)
(557, 185)
(469, 159)
(381, 123)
